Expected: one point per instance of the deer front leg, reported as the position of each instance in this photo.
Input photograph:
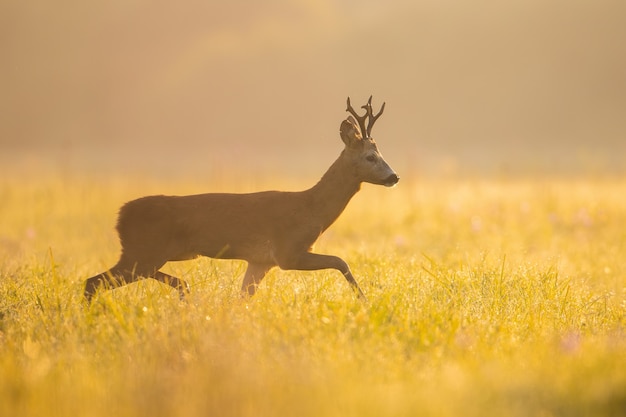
(312, 262)
(254, 274)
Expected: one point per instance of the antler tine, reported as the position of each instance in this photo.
(368, 107)
(360, 119)
(373, 118)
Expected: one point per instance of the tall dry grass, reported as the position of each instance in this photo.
(486, 298)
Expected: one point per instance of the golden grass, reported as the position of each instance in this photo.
(486, 298)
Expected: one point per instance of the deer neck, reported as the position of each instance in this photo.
(330, 196)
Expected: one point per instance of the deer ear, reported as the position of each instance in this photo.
(350, 132)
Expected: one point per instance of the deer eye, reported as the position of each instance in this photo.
(371, 158)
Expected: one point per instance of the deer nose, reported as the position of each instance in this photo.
(392, 180)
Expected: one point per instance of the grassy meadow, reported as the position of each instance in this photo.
(490, 297)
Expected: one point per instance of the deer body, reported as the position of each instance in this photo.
(266, 229)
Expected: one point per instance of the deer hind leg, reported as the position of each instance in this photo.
(178, 284)
(113, 278)
(103, 280)
(124, 272)
(254, 274)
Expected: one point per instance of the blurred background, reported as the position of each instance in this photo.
(481, 87)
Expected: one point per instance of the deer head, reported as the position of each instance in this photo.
(361, 150)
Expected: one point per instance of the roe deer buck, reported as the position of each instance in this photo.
(267, 229)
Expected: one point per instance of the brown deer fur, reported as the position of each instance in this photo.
(266, 229)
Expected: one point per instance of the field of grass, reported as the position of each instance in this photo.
(486, 298)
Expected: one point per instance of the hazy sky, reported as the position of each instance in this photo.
(487, 84)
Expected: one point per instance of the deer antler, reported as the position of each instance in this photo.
(373, 118)
(366, 131)
(360, 119)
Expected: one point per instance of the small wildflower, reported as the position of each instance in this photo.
(477, 223)
(571, 343)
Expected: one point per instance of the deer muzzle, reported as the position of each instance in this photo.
(391, 180)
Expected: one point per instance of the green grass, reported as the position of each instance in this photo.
(486, 298)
